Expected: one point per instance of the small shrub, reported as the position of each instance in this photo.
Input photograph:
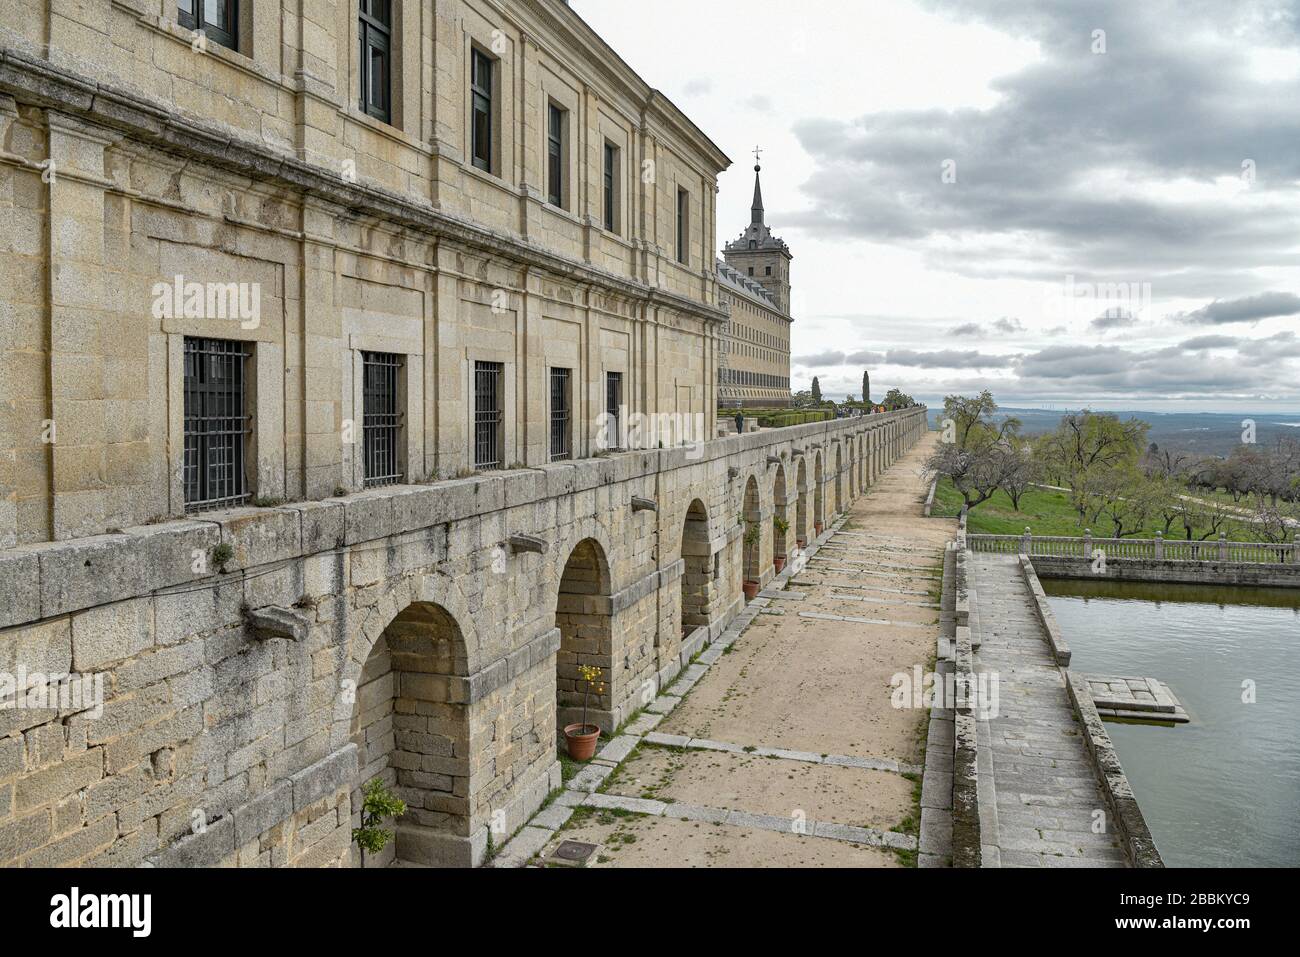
(221, 555)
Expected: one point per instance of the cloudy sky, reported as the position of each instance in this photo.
(1069, 202)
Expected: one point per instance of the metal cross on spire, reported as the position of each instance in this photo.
(757, 151)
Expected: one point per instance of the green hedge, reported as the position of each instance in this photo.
(779, 418)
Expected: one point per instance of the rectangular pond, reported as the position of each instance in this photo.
(1223, 790)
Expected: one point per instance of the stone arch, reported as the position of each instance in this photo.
(584, 616)
(752, 540)
(410, 723)
(839, 480)
(819, 480)
(781, 510)
(801, 506)
(853, 470)
(862, 463)
(699, 589)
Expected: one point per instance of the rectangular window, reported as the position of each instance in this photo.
(561, 417)
(481, 109)
(381, 418)
(487, 414)
(683, 233)
(613, 410)
(216, 423)
(218, 19)
(555, 155)
(375, 61)
(610, 184)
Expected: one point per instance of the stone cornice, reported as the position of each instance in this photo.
(37, 82)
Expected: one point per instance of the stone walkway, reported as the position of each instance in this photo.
(1038, 795)
(779, 745)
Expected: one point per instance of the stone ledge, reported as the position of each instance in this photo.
(1055, 637)
(1139, 845)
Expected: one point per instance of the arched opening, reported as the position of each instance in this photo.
(697, 577)
(819, 514)
(839, 482)
(582, 613)
(411, 728)
(751, 515)
(801, 505)
(862, 463)
(781, 512)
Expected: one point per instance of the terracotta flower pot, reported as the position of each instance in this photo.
(801, 543)
(751, 590)
(819, 526)
(581, 740)
(778, 563)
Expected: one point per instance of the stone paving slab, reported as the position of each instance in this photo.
(1035, 772)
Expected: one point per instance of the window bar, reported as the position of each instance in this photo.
(382, 420)
(487, 415)
(561, 447)
(216, 425)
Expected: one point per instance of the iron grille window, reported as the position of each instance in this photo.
(381, 417)
(376, 59)
(613, 407)
(487, 415)
(611, 163)
(555, 155)
(481, 109)
(216, 423)
(561, 432)
(683, 210)
(218, 19)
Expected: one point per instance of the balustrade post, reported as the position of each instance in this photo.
(1160, 546)
(1223, 546)
(1087, 544)
(1295, 550)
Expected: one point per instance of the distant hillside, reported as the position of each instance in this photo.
(1201, 433)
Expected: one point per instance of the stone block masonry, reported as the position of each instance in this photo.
(429, 660)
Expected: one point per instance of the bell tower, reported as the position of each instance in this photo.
(759, 255)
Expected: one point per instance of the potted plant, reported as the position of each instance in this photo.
(581, 738)
(780, 526)
(378, 805)
(819, 526)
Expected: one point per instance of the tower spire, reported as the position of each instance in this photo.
(756, 210)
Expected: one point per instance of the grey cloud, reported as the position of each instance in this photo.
(1199, 343)
(1155, 106)
(1266, 305)
(1114, 319)
(948, 359)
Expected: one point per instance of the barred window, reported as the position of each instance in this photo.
(613, 407)
(376, 58)
(561, 416)
(487, 414)
(381, 417)
(216, 423)
(218, 19)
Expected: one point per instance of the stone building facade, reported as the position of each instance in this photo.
(754, 288)
(285, 464)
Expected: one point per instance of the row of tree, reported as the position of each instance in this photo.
(1113, 477)
(812, 398)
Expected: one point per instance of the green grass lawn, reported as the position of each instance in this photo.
(1046, 513)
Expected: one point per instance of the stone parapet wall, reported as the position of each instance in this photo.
(233, 737)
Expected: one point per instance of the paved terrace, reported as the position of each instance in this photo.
(779, 746)
(1038, 793)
